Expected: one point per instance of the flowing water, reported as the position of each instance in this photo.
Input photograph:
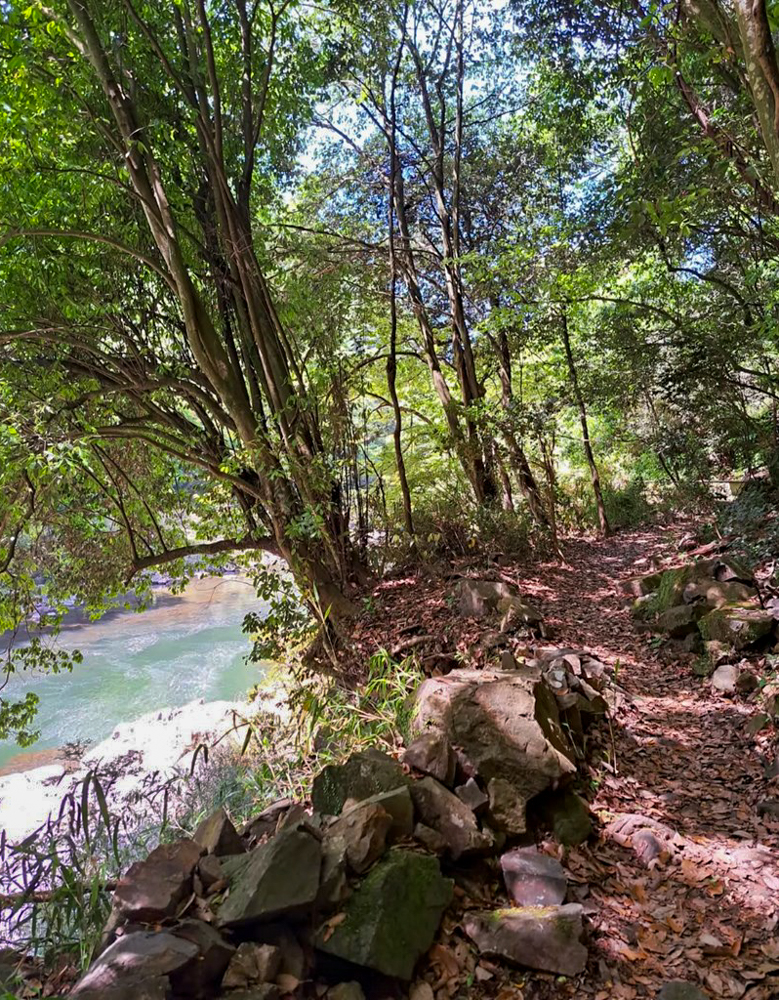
(182, 649)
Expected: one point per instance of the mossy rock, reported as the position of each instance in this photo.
(393, 917)
(362, 776)
(737, 625)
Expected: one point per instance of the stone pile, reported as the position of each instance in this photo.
(355, 886)
(710, 603)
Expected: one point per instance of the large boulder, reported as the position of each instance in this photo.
(277, 879)
(392, 918)
(504, 724)
(538, 937)
(363, 775)
(152, 890)
(737, 625)
(136, 965)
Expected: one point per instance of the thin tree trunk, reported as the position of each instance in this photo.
(603, 521)
(392, 365)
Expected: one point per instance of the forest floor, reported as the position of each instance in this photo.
(676, 752)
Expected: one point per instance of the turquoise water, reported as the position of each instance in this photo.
(182, 649)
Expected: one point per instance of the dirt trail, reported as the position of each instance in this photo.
(679, 754)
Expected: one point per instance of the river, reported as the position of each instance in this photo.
(183, 648)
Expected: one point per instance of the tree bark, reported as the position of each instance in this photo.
(603, 522)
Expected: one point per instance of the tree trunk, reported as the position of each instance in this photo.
(603, 522)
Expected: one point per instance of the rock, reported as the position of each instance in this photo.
(756, 724)
(725, 678)
(507, 806)
(333, 881)
(252, 963)
(400, 808)
(472, 795)
(364, 831)
(505, 724)
(363, 775)
(210, 871)
(217, 835)
(715, 595)
(393, 916)
(514, 611)
(152, 890)
(431, 839)
(295, 961)
(747, 682)
(478, 598)
(346, 991)
(197, 978)
(680, 621)
(135, 962)
(265, 823)
(680, 990)
(442, 811)
(736, 625)
(546, 938)
(641, 586)
(431, 754)
(568, 815)
(769, 808)
(275, 879)
(532, 878)
(771, 698)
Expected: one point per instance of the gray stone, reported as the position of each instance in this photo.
(295, 961)
(198, 978)
(275, 879)
(680, 621)
(725, 678)
(148, 989)
(210, 871)
(769, 808)
(252, 963)
(472, 795)
(532, 878)
(265, 823)
(478, 598)
(514, 611)
(431, 754)
(545, 938)
(431, 839)
(443, 812)
(364, 831)
(737, 625)
(504, 724)
(393, 916)
(400, 808)
(362, 776)
(134, 960)
(217, 835)
(507, 806)
(152, 890)
(568, 815)
(680, 990)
